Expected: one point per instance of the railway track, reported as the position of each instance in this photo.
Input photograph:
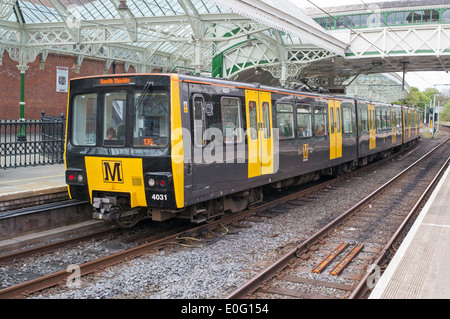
(343, 259)
(171, 237)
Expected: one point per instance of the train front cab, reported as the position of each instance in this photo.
(121, 153)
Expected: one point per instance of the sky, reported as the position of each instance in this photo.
(421, 80)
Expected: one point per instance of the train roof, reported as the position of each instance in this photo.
(235, 84)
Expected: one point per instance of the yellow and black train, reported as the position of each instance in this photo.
(172, 145)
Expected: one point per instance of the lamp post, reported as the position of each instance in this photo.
(22, 136)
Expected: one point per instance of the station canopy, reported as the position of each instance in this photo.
(165, 34)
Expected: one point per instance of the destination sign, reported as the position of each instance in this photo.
(115, 81)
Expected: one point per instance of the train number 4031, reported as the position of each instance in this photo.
(159, 196)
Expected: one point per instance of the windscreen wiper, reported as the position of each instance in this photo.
(143, 97)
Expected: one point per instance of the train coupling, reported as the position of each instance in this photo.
(105, 208)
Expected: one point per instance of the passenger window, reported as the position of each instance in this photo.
(231, 120)
(363, 118)
(347, 126)
(304, 125)
(253, 118)
(114, 119)
(320, 121)
(331, 121)
(377, 119)
(338, 119)
(285, 120)
(199, 126)
(84, 112)
(266, 119)
(388, 118)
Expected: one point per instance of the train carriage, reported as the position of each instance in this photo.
(168, 145)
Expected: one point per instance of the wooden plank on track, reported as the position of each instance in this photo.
(346, 260)
(327, 260)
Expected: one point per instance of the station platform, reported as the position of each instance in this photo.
(421, 267)
(20, 182)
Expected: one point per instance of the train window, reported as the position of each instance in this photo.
(388, 118)
(347, 125)
(114, 119)
(331, 122)
(253, 117)
(363, 118)
(382, 119)
(199, 127)
(84, 111)
(231, 120)
(304, 125)
(398, 114)
(285, 120)
(151, 125)
(320, 121)
(338, 119)
(266, 119)
(377, 119)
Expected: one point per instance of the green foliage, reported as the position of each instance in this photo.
(445, 114)
(420, 99)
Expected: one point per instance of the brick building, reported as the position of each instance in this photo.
(40, 84)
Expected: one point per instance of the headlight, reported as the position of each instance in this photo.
(151, 182)
(75, 177)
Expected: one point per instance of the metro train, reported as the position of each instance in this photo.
(170, 145)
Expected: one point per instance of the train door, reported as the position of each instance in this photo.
(335, 128)
(416, 122)
(393, 125)
(409, 123)
(372, 127)
(259, 133)
(403, 125)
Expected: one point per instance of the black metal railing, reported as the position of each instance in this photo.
(32, 142)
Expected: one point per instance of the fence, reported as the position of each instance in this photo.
(32, 142)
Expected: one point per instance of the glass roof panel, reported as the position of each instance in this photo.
(36, 12)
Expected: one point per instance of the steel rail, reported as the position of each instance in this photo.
(26, 288)
(60, 277)
(362, 288)
(47, 248)
(281, 263)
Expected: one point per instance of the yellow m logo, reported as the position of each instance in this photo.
(112, 171)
